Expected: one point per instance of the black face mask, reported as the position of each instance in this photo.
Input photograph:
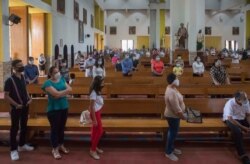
(20, 69)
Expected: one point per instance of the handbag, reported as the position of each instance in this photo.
(85, 117)
(193, 116)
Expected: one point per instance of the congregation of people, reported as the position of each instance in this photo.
(95, 65)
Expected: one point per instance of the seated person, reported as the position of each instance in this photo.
(89, 64)
(82, 64)
(212, 51)
(31, 72)
(78, 57)
(198, 67)
(135, 62)
(148, 54)
(114, 59)
(219, 74)
(178, 70)
(72, 78)
(118, 66)
(236, 111)
(235, 58)
(127, 66)
(157, 67)
(180, 61)
(64, 70)
(99, 69)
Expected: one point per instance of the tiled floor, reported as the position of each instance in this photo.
(128, 152)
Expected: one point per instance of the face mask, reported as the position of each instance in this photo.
(157, 59)
(178, 65)
(20, 69)
(245, 103)
(179, 58)
(127, 57)
(217, 64)
(31, 62)
(57, 76)
(99, 62)
(198, 60)
(176, 82)
(90, 58)
(64, 65)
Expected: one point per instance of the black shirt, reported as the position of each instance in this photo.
(118, 67)
(21, 87)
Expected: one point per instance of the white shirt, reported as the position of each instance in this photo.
(198, 67)
(98, 71)
(238, 112)
(88, 71)
(98, 101)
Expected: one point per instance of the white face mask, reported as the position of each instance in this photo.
(218, 64)
(157, 59)
(31, 62)
(99, 62)
(245, 103)
(198, 60)
(178, 65)
(176, 82)
(57, 76)
(126, 56)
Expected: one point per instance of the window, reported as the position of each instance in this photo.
(127, 45)
(232, 45)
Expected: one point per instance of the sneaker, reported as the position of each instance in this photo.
(177, 151)
(64, 149)
(25, 148)
(56, 154)
(14, 155)
(172, 157)
(94, 155)
(100, 151)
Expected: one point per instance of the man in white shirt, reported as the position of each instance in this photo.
(235, 114)
(89, 63)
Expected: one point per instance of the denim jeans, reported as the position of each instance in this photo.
(237, 135)
(174, 124)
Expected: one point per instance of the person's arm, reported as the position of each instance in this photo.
(94, 71)
(203, 68)
(243, 128)
(11, 101)
(173, 100)
(92, 112)
(194, 68)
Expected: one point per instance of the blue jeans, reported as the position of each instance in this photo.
(174, 124)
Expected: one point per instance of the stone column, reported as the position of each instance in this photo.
(152, 29)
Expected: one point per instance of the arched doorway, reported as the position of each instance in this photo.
(65, 53)
(72, 56)
(87, 49)
(56, 51)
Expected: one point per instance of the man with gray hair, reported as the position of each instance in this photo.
(236, 111)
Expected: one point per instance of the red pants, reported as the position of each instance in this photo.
(96, 131)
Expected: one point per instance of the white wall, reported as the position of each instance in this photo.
(224, 28)
(66, 28)
(126, 19)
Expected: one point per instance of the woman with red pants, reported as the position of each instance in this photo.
(96, 104)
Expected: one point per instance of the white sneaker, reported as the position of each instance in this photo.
(25, 148)
(177, 151)
(94, 155)
(14, 155)
(172, 157)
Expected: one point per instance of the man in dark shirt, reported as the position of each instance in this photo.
(31, 72)
(16, 94)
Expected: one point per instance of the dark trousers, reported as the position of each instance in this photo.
(18, 117)
(174, 124)
(57, 120)
(237, 136)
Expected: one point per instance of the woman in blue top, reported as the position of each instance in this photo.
(57, 110)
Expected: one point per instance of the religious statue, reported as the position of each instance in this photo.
(182, 35)
(200, 40)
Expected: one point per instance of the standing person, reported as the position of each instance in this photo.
(64, 70)
(96, 104)
(127, 66)
(218, 73)
(198, 67)
(16, 94)
(236, 111)
(31, 72)
(200, 40)
(57, 109)
(118, 66)
(42, 62)
(182, 35)
(99, 69)
(173, 112)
